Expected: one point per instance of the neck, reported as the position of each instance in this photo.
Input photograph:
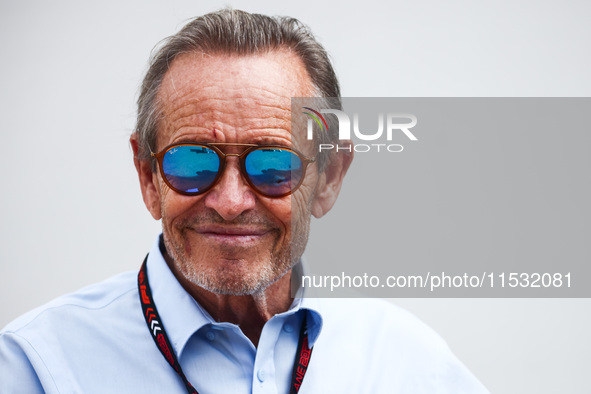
(250, 312)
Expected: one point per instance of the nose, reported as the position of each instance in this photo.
(231, 196)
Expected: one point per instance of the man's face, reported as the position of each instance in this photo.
(232, 240)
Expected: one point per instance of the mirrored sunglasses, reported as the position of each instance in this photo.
(192, 169)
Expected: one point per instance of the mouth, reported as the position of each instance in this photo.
(233, 235)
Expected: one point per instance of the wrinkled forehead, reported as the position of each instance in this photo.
(237, 96)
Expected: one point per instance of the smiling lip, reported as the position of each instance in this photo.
(242, 235)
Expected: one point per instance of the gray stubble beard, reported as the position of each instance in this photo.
(278, 265)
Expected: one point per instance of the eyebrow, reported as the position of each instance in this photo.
(271, 140)
(256, 138)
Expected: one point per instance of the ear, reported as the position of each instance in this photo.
(331, 180)
(148, 180)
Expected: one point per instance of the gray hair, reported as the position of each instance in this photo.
(229, 31)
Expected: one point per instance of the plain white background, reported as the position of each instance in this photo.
(71, 209)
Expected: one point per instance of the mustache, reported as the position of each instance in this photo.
(212, 217)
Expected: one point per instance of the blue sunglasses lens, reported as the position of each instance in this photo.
(274, 171)
(190, 169)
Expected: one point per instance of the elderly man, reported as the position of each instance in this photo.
(211, 309)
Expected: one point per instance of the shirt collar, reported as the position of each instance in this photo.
(304, 299)
(182, 316)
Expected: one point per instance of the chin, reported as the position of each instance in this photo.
(237, 282)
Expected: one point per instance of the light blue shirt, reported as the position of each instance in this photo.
(96, 341)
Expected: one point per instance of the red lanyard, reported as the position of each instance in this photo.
(159, 336)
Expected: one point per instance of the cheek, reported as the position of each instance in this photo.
(280, 209)
(302, 198)
(299, 207)
(174, 205)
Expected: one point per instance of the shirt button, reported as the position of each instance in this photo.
(288, 327)
(261, 375)
(210, 335)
